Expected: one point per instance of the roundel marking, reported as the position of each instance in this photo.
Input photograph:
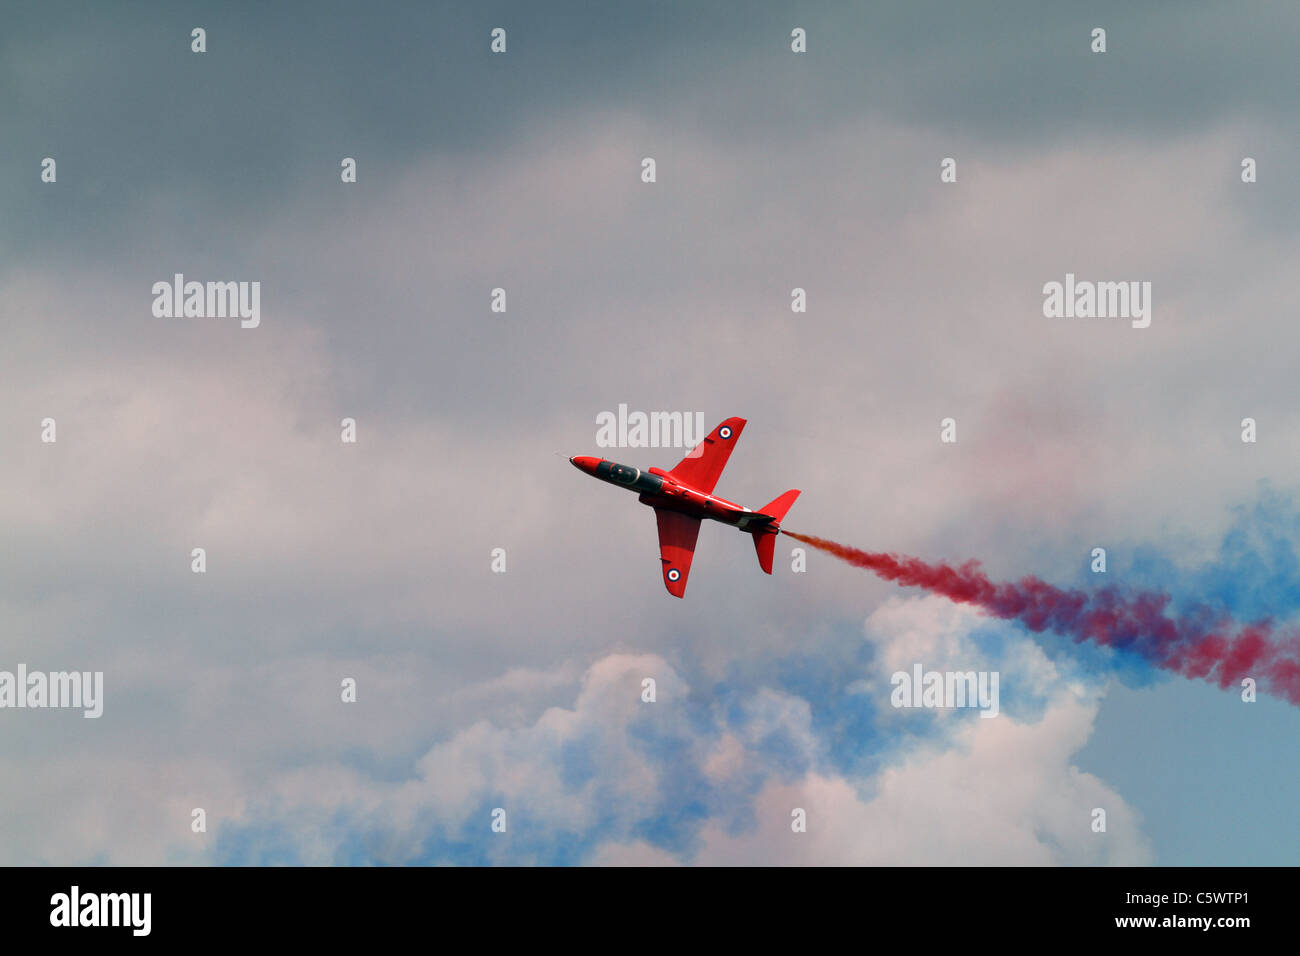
(725, 431)
(673, 574)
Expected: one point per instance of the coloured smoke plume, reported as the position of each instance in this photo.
(1213, 649)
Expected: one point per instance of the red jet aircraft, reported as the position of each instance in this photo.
(684, 497)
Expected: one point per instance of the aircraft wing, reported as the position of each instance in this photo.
(677, 534)
(703, 467)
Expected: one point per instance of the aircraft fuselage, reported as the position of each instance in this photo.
(658, 489)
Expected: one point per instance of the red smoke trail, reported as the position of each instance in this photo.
(1196, 646)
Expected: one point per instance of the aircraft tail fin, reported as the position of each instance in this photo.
(765, 537)
(765, 545)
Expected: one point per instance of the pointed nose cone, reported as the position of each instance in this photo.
(585, 463)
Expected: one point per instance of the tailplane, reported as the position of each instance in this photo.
(765, 537)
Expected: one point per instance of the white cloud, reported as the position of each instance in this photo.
(1000, 791)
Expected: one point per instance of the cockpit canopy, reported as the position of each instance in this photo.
(629, 477)
(623, 474)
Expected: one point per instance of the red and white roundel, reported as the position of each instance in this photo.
(673, 574)
(724, 431)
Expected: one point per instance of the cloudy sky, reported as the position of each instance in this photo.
(522, 170)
